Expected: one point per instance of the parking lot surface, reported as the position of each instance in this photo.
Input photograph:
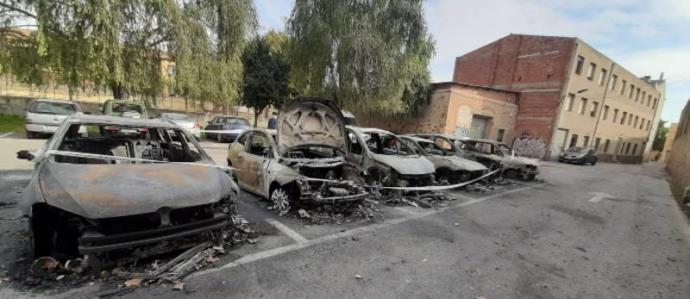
(606, 231)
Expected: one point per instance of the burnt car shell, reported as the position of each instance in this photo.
(100, 207)
(309, 144)
(449, 166)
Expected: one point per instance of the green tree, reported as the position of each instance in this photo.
(208, 49)
(661, 135)
(363, 54)
(266, 75)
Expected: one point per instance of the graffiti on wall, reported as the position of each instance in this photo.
(468, 132)
(526, 146)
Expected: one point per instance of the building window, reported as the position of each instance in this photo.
(607, 143)
(615, 115)
(623, 118)
(596, 143)
(592, 70)
(585, 141)
(637, 119)
(569, 101)
(623, 86)
(654, 103)
(595, 106)
(634, 152)
(602, 78)
(630, 118)
(580, 63)
(622, 149)
(642, 124)
(606, 112)
(573, 140)
(637, 95)
(583, 106)
(649, 124)
(649, 100)
(500, 134)
(614, 80)
(644, 95)
(632, 91)
(627, 148)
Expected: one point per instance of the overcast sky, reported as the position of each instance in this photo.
(645, 37)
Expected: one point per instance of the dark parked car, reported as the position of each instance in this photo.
(579, 155)
(96, 196)
(226, 128)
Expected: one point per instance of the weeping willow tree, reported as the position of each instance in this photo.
(366, 55)
(208, 48)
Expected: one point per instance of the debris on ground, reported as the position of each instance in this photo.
(366, 210)
(179, 286)
(419, 199)
(134, 282)
(358, 276)
(303, 213)
(44, 264)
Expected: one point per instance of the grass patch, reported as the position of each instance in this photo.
(11, 123)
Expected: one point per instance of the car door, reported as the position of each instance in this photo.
(252, 161)
(356, 149)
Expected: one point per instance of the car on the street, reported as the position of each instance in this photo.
(450, 167)
(44, 116)
(125, 108)
(226, 128)
(386, 160)
(184, 121)
(494, 154)
(579, 155)
(303, 162)
(145, 189)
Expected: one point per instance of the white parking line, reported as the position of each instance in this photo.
(288, 231)
(6, 134)
(294, 247)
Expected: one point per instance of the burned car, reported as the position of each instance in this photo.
(496, 153)
(449, 167)
(386, 160)
(305, 163)
(145, 188)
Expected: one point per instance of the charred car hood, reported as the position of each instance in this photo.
(310, 121)
(104, 190)
(520, 161)
(455, 163)
(406, 165)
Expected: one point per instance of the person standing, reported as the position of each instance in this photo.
(273, 121)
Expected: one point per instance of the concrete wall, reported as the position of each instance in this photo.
(678, 164)
(451, 110)
(668, 144)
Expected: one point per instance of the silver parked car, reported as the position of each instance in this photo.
(184, 121)
(44, 116)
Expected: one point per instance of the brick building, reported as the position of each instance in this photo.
(457, 108)
(570, 94)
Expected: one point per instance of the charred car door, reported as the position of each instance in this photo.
(258, 153)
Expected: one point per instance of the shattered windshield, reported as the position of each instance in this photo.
(147, 143)
(386, 144)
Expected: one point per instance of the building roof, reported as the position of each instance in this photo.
(447, 84)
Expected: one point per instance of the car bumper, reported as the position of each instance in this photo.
(98, 243)
(571, 160)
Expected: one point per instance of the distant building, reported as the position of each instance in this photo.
(668, 144)
(570, 94)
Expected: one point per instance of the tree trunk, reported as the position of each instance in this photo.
(256, 116)
(118, 91)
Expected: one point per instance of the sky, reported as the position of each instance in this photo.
(645, 37)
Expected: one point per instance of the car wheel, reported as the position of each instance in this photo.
(280, 197)
(594, 162)
(219, 138)
(511, 174)
(30, 135)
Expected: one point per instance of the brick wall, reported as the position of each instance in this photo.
(679, 158)
(537, 66)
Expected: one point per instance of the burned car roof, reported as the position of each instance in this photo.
(118, 120)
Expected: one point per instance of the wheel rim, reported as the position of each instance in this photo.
(218, 137)
(281, 200)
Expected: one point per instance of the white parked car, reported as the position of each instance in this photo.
(184, 121)
(44, 116)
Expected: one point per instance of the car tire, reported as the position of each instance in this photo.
(511, 174)
(594, 162)
(219, 138)
(281, 199)
(30, 135)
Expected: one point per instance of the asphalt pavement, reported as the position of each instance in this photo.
(604, 231)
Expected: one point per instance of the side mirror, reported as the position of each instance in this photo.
(25, 155)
